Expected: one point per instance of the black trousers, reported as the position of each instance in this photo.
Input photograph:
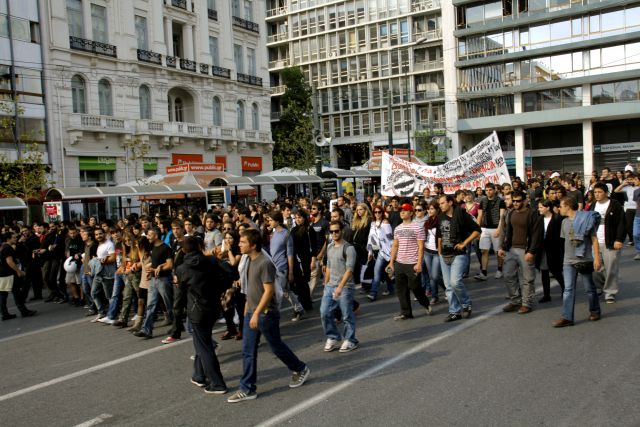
(546, 281)
(629, 216)
(179, 311)
(206, 367)
(33, 280)
(17, 297)
(408, 281)
(301, 277)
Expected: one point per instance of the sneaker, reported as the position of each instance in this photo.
(330, 345)
(215, 389)
(637, 257)
(9, 316)
(630, 244)
(498, 274)
(298, 378)
(452, 317)
(466, 312)
(198, 383)
(170, 340)
(348, 346)
(610, 299)
(481, 277)
(142, 334)
(401, 317)
(240, 396)
(297, 316)
(97, 318)
(134, 318)
(429, 310)
(387, 293)
(192, 357)
(106, 320)
(371, 297)
(433, 301)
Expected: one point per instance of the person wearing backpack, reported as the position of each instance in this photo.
(339, 289)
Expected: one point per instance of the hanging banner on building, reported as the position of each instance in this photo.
(480, 165)
(52, 211)
(195, 167)
(179, 159)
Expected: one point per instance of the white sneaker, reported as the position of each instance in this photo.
(97, 318)
(104, 319)
(480, 277)
(134, 318)
(498, 274)
(347, 346)
(330, 345)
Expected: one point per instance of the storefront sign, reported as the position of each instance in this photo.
(480, 165)
(608, 148)
(150, 164)
(195, 167)
(222, 160)
(178, 159)
(52, 211)
(97, 163)
(398, 152)
(252, 164)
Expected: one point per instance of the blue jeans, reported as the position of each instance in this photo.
(452, 276)
(327, 307)
(269, 325)
(636, 233)
(101, 289)
(159, 287)
(378, 274)
(116, 296)
(86, 281)
(569, 295)
(434, 273)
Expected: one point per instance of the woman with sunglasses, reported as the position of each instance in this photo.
(379, 248)
(361, 225)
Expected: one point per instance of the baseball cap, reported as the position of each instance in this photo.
(406, 207)
(555, 174)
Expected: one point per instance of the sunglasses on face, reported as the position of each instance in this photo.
(335, 231)
(377, 212)
(517, 201)
(418, 210)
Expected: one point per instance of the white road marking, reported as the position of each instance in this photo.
(323, 396)
(95, 421)
(50, 328)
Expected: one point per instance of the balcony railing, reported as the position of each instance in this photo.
(423, 95)
(91, 46)
(213, 14)
(187, 64)
(182, 4)
(279, 63)
(424, 36)
(427, 65)
(170, 61)
(275, 115)
(278, 90)
(221, 72)
(96, 122)
(276, 11)
(247, 25)
(249, 79)
(277, 37)
(148, 56)
(204, 68)
(424, 5)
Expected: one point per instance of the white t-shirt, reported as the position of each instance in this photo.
(630, 204)
(601, 208)
(546, 225)
(105, 249)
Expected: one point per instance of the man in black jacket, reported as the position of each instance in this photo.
(611, 234)
(203, 308)
(523, 235)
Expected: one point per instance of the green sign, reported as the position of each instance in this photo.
(150, 164)
(97, 163)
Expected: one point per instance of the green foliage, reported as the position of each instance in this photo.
(293, 134)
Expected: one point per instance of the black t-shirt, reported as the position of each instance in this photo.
(318, 232)
(491, 211)
(178, 254)
(444, 233)
(577, 195)
(7, 251)
(159, 255)
(75, 246)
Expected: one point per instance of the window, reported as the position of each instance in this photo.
(74, 18)
(99, 23)
(144, 94)
(251, 59)
(237, 56)
(255, 117)
(217, 112)
(141, 32)
(78, 95)
(248, 10)
(213, 50)
(240, 114)
(211, 4)
(105, 98)
(235, 8)
(178, 110)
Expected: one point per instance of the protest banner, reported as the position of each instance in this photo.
(480, 165)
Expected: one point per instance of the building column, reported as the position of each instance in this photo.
(587, 147)
(156, 35)
(187, 37)
(519, 152)
(517, 103)
(189, 7)
(86, 19)
(168, 35)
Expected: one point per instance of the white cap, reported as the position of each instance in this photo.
(555, 174)
(628, 168)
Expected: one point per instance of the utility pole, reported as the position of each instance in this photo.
(316, 130)
(389, 123)
(14, 89)
(408, 109)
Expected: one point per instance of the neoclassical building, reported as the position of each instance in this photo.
(137, 85)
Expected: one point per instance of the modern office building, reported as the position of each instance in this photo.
(22, 95)
(354, 53)
(135, 86)
(558, 79)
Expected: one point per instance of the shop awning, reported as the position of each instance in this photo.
(12, 204)
(70, 193)
(333, 173)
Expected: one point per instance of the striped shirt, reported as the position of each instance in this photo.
(407, 236)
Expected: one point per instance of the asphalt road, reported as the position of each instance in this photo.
(58, 369)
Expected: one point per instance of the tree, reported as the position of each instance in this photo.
(293, 134)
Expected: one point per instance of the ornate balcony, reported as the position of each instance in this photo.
(278, 90)
(170, 61)
(182, 4)
(187, 64)
(276, 11)
(247, 25)
(91, 46)
(221, 72)
(213, 14)
(204, 69)
(249, 79)
(148, 56)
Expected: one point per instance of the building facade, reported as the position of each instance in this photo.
(135, 86)
(558, 79)
(360, 56)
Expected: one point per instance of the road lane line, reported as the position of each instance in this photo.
(323, 396)
(95, 421)
(50, 328)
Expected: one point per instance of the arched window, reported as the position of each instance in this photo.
(255, 117)
(178, 115)
(144, 95)
(104, 98)
(78, 95)
(240, 114)
(217, 112)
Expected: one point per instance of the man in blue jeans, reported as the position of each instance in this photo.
(456, 230)
(262, 316)
(581, 256)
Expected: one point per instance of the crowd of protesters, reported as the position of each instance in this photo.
(240, 263)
